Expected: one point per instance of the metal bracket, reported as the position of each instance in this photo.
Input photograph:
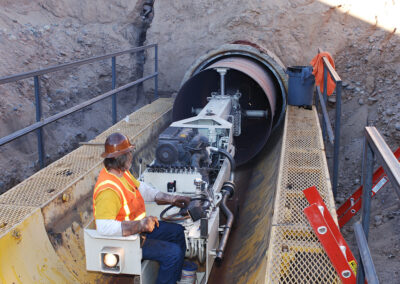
(330, 237)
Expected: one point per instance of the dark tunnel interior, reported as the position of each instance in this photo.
(255, 131)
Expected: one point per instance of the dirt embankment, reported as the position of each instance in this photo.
(38, 34)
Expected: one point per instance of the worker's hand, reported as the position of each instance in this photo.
(176, 200)
(147, 224)
(180, 201)
(155, 221)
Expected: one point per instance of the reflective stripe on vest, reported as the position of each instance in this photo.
(140, 217)
(105, 182)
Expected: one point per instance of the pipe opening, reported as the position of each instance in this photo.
(261, 89)
(267, 66)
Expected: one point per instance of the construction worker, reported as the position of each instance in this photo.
(119, 209)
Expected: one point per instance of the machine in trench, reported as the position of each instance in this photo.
(227, 123)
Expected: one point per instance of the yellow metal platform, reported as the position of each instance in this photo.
(41, 219)
(294, 253)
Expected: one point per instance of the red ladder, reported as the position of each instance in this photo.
(330, 237)
(352, 205)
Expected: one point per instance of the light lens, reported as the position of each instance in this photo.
(110, 260)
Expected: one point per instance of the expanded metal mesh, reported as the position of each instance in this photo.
(134, 124)
(299, 258)
(11, 215)
(55, 178)
(295, 254)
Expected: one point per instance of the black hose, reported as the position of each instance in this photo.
(182, 209)
(231, 161)
(230, 158)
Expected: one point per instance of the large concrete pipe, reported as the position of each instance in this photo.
(255, 73)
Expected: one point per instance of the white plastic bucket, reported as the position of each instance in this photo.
(188, 273)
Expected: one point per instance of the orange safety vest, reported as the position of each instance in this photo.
(133, 208)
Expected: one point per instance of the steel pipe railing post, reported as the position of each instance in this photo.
(114, 96)
(337, 137)
(325, 96)
(156, 71)
(368, 162)
(365, 255)
(325, 116)
(39, 133)
(316, 99)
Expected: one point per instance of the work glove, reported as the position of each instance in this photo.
(180, 201)
(176, 200)
(148, 224)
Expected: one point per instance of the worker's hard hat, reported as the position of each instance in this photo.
(116, 145)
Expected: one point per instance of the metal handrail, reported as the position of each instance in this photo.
(385, 156)
(375, 146)
(331, 70)
(40, 122)
(365, 255)
(20, 76)
(66, 112)
(326, 126)
(325, 116)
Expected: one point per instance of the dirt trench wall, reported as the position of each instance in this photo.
(293, 30)
(42, 33)
(361, 36)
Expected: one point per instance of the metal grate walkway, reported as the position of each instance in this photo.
(295, 255)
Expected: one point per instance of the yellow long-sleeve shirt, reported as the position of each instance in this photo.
(107, 202)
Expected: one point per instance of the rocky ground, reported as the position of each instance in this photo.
(371, 96)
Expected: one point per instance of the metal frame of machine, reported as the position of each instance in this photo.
(194, 157)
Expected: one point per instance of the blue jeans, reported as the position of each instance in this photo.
(166, 245)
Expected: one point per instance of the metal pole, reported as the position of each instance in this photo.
(337, 137)
(325, 117)
(367, 187)
(38, 118)
(365, 254)
(156, 71)
(368, 162)
(222, 84)
(325, 96)
(222, 73)
(114, 96)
